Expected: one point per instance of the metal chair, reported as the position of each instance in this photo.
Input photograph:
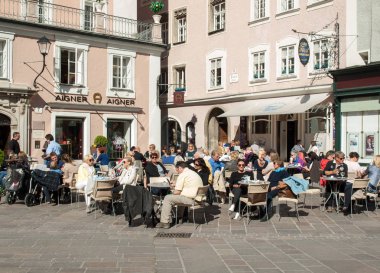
(103, 192)
(255, 189)
(358, 192)
(198, 203)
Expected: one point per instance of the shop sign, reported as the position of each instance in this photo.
(70, 98)
(119, 101)
(179, 98)
(304, 51)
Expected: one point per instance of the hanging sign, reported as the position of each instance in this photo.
(304, 51)
(179, 98)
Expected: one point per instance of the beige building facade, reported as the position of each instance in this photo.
(237, 64)
(100, 75)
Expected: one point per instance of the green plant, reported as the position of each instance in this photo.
(156, 6)
(101, 141)
(2, 191)
(2, 155)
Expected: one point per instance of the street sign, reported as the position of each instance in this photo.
(304, 51)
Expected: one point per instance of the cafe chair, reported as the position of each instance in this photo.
(374, 196)
(282, 200)
(103, 170)
(227, 176)
(359, 187)
(198, 203)
(161, 182)
(102, 192)
(260, 191)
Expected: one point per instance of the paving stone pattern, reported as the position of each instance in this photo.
(64, 239)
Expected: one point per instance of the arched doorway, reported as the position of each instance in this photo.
(217, 128)
(5, 129)
(190, 133)
(171, 133)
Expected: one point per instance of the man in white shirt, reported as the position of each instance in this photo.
(185, 191)
(313, 147)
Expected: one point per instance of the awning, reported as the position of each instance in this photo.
(276, 106)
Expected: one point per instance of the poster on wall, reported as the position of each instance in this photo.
(369, 144)
(353, 142)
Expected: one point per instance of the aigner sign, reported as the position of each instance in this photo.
(97, 100)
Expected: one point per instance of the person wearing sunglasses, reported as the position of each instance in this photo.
(128, 175)
(236, 189)
(85, 180)
(154, 168)
(336, 168)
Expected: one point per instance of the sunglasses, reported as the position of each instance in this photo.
(241, 165)
(154, 157)
(196, 164)
(341, 158)
(91, 160)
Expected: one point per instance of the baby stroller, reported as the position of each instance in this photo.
(14, 184)
(40, 178)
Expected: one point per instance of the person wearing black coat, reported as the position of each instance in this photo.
(154, 168)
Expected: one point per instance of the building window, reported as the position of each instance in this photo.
(259, 9)
(258, 65)
(121, 73)
(69, 134)
(287, 5)
(119, 132)
(321, 55)
(6, 55)
(287, 60)
(216, 73)
(180, 26)
(180, 77)
(88, 15)
(315, 122)
(261, 125)
(163, 81)
(72, 66)
(218, 15)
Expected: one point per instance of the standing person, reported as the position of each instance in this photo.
(52, 146)
(334, 168)
(185, 191)
(313, 147)
(298, 147)
(85, 180)
(13, 145)
(236, 189)
(260, 164)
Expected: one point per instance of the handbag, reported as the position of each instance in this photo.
(285, 191)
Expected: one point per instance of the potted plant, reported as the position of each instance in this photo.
(156, 7)
(101, 141)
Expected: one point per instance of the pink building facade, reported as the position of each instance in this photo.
(100, 75)
(238, 65)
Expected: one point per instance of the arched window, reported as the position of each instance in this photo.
(171, 133)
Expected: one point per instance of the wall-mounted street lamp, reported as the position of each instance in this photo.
(44, 46)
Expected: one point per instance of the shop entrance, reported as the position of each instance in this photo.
(217, 128)
(286, 137)
(5, 130)
(69, 134)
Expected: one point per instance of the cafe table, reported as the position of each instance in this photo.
(335, 182)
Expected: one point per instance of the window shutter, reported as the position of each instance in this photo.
(57, 65)
(4, 60)
(256, 9)
(79, 67)
(283, 5)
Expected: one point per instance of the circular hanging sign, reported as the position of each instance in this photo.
(304, 51)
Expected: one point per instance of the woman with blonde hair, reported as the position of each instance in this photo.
(85, 180)
(260, 164)
(373, 172)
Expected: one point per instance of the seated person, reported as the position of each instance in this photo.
(260, 164)
(335, 168)
(278, 174)
(154, 168)
(186, 189)
(68, 169)
(55, 164)
(353, 164)
(128, 175)
(373, 172)
(102, 158)
(217, 168)
(85, 180)
(167, 158)
(236, 189)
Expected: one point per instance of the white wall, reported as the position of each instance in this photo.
(125, 8)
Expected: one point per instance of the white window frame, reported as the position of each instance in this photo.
(179, 76)
(284, 5)
(181, 29)
(221, 13)
(91, 14)
(261, 49)
(289, 65)
(287, 43)
(121, 92)
(256, 10)
(320, 36)
(80, 87)
(320, 47)
(7, 56)
(217, 54)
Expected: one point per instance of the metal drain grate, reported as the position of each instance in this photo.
(173, 235)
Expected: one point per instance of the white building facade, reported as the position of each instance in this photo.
(238, 65)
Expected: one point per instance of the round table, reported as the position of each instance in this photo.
(335, 182)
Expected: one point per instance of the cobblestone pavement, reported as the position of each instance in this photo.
(64, 239)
